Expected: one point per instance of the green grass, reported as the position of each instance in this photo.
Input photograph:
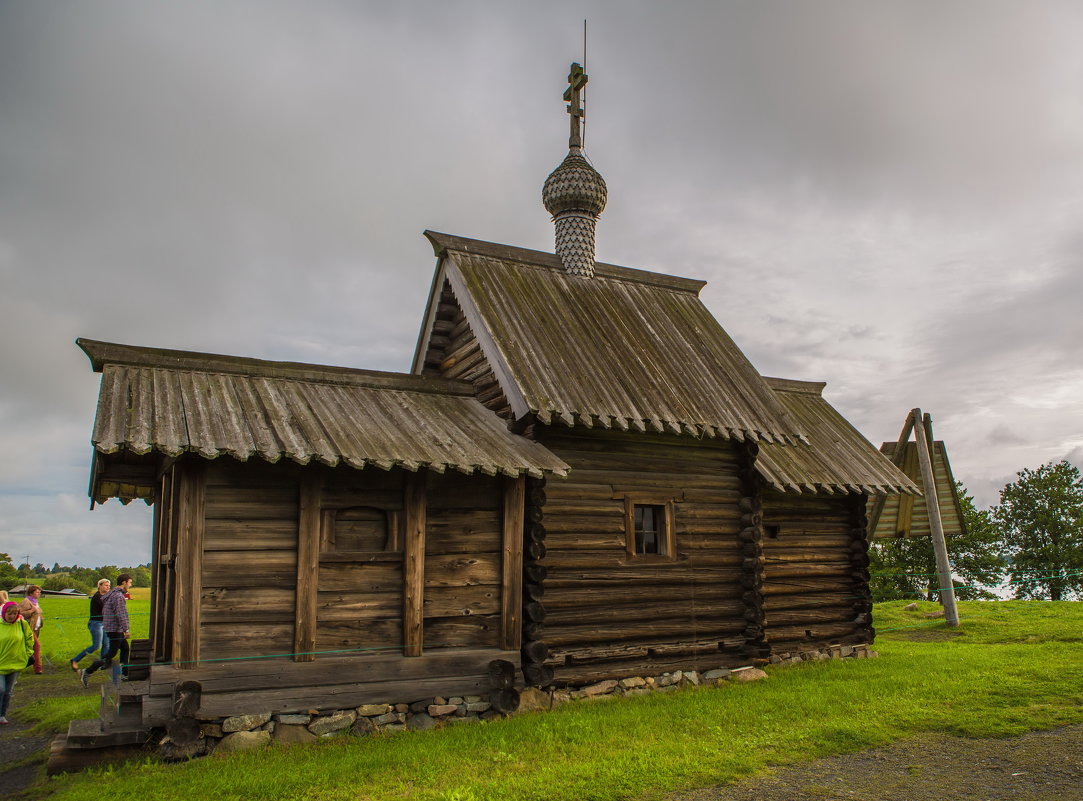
(1014, 667)
(64, 633)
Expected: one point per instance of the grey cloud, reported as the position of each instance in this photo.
(884, 196)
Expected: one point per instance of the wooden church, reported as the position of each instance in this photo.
(582, 476)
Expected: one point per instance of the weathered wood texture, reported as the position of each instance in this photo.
(248, 601)
(604, 607)
(815, 579)
(281, 685)
(190, 502)
(253, 587)
(454, 352)
(908, 516)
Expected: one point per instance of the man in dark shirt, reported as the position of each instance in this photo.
(94, 625)
(117, 629)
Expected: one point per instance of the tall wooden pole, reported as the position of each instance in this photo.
(922, 426)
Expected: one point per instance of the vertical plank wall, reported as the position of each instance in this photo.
(610, 615)
(463, 557)
(360, 603)
(249, 560)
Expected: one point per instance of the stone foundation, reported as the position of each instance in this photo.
(242, 732)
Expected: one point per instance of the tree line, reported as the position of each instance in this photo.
(62, 577)
(1031, 542)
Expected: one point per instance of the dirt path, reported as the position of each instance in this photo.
(1040, 766)
(23, 753)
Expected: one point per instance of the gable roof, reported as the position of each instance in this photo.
(839, 460)
(909, 517)
(627, 348)
(175, 402)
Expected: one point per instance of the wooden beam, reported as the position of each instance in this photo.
(413, 626)
(905, 514)
(189, 564)
(511, 585)
(896, 458)
(936, 527)
(308, 565)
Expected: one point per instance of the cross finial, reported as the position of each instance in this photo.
(577, 79)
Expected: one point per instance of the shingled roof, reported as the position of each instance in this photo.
(175, 402)
(909, 517)
(839, 460)
(627, 349)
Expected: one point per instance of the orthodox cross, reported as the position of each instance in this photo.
(577, 79)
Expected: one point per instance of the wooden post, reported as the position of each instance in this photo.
(189, 580)
(308, 565)
(511, 585)
(413, 568)
(936, 527)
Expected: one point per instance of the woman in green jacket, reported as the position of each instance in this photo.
(16, 647)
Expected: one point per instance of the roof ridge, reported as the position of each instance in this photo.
(442, 243)
(103, 353)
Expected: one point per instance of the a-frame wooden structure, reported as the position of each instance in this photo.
(935, 513)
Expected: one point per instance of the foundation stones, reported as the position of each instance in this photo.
(238, 723)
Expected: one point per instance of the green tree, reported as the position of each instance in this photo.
(1041, 518)
(906, 567)
(9, 576)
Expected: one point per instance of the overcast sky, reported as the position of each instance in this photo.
(887, 196)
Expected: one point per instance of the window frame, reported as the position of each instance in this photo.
(667, 536)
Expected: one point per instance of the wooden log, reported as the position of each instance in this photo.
(605, 616)
(804, 617)
(620, 596)
(501, 674)
(791, 556)
(538, 675)
(504, 701)
(820, 632)
(534, 612)
(534, 651)
(640, 630)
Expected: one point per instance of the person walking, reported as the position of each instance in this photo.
(117, 629)
(31, 612)
(16, 648)
(94, 625)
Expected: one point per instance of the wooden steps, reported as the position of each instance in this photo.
(117, 733)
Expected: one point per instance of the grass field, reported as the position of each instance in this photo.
(1011, 667)
(64, 633)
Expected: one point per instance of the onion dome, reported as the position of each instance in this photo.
(574, 186)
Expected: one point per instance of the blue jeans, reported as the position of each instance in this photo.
(7, 687)
(96, 627)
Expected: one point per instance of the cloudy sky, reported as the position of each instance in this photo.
(887, 196)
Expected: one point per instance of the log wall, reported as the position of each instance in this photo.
(815, 586)
(607, 614)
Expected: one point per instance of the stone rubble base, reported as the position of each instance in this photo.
(243, 732)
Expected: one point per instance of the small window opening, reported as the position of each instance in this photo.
(772, 531)
(650, 523)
